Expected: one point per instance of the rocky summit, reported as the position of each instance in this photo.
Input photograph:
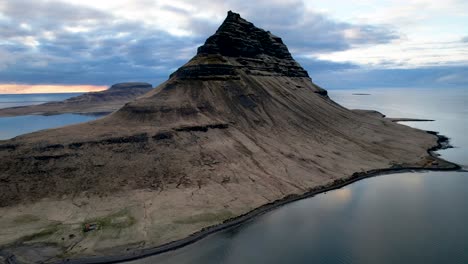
(256, 52)
(239, 126)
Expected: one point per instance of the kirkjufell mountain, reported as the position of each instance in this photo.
(88, 103)
(239, 126)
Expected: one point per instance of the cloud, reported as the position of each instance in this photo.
(459, 78)
(427, 77)
(85, 46)
(302, 29)
(101, 43)
(315, 65)
(43, 15)
(404, 55)
(21, 88)
(61, 42)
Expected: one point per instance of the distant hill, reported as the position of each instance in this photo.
(95, 102)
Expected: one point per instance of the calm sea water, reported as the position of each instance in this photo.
(13, 126)
(400, 218)
(11, 100)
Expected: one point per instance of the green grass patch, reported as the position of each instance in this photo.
(48, 231)
(206, 217)
(119, 220)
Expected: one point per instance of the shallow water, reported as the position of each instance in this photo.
(398, 218)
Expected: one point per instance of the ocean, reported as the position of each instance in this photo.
(14, 126)
(12, 100)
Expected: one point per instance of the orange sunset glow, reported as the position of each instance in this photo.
(48, 88)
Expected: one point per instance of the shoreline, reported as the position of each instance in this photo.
(98, 113)
(442, 143)
(396, 119)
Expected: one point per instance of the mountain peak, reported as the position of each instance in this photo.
(237, 37)
(239, 47)
(232, 15)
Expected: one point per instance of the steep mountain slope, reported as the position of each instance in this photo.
(94, 102)
(239, 126)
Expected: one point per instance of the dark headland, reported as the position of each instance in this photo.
(106, 101)
(238, 130)
(373, 113)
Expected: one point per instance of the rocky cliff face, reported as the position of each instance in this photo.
(256, 52)
(238, 126)
(88, 103)
(237, 37)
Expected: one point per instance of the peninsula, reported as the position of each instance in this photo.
(88, 103)
(238, 129)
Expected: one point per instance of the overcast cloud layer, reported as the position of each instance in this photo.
(58, 42)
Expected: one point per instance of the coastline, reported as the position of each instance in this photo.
(442, 143)
(393, 119)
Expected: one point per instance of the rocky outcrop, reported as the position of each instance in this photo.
(237, 37)
(88, 103)
(255, 52)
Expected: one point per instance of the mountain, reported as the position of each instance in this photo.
(239, 126)
(94, 102)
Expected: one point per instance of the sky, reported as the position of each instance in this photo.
(87, 45)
